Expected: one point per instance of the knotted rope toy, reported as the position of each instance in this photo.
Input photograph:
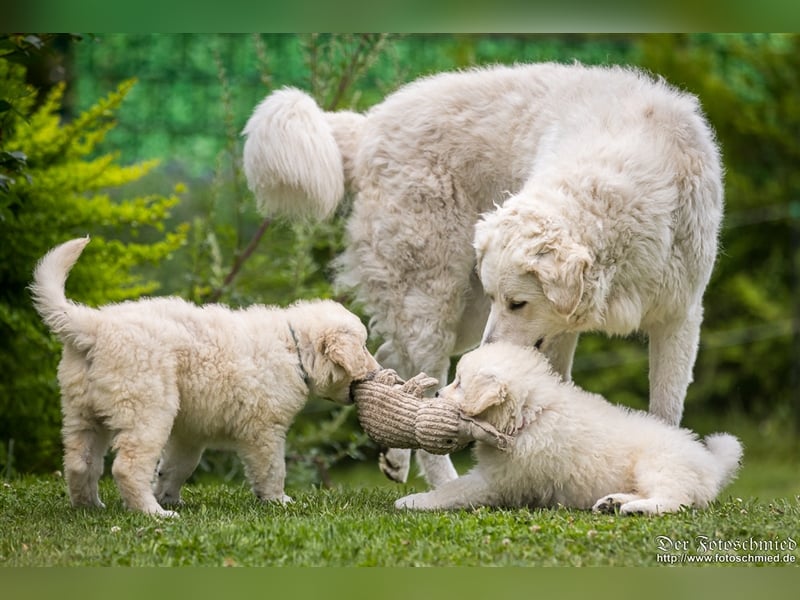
(395, 414)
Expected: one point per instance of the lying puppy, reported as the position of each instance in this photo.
(163, 374)
(572, 448)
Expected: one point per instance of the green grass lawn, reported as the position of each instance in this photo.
(756, 521)
(224, 525)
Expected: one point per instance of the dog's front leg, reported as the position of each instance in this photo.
(673, 349)
(437, 469)
(469, 491)
(265, 466)
(560, 351)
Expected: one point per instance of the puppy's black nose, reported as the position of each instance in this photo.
(436, 395)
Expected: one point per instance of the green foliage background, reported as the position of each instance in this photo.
(192, 97)
(59, 187)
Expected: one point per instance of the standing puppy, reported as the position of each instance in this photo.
(572, 448)
(164, 374)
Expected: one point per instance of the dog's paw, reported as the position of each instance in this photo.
(94, 504)
(282, 499)
(613, 503)
(169, 499)
(163, 513)
(650, 506)
(606, 505)
(411, 502)
(395, 464)
(86, 501)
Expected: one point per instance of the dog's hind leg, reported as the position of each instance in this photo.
(395, 462)
(85, 445)
(437, 469)
(138, 449)
(178, 462)
(612, 503)
(634, 504)
(652, 506)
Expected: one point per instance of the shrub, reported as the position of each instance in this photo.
(51, 190)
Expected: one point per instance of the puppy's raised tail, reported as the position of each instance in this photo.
(298, 158)
(728, 452)
(70, 321)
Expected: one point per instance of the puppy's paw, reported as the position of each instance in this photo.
(395, 464)
(613, 503)
(165, 499)
(282, 499)
(412, 502)
(650, 506)
(87, 501)
(93, 504)
(163, 513)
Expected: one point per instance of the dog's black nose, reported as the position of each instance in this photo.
(436, 395)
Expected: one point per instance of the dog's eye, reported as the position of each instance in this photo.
(516, 305)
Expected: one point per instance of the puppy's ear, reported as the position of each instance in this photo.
(485, 390)
(343, 349)
(561, 269)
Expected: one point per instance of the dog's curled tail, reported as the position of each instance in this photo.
(69, 321)
(298, 158)
(728, 452)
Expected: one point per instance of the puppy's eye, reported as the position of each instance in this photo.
(516, 304)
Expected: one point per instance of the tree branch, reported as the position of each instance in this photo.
(240, 260)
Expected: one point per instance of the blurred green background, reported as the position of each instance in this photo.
(76, 155)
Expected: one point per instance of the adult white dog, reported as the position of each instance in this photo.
(163, 374)
(631, 159)
(572, 448)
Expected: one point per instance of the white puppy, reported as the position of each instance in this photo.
(572, 448)
(424, 164)
(164, 374)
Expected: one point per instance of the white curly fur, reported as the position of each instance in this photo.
(572, 448)
(425, 163)
(163, 374)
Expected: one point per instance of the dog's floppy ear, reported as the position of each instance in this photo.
(561, 269)
(484, 391)
(342, 348)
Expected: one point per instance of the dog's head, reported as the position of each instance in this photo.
(490, 384)
(332, 343)
(534, 274)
